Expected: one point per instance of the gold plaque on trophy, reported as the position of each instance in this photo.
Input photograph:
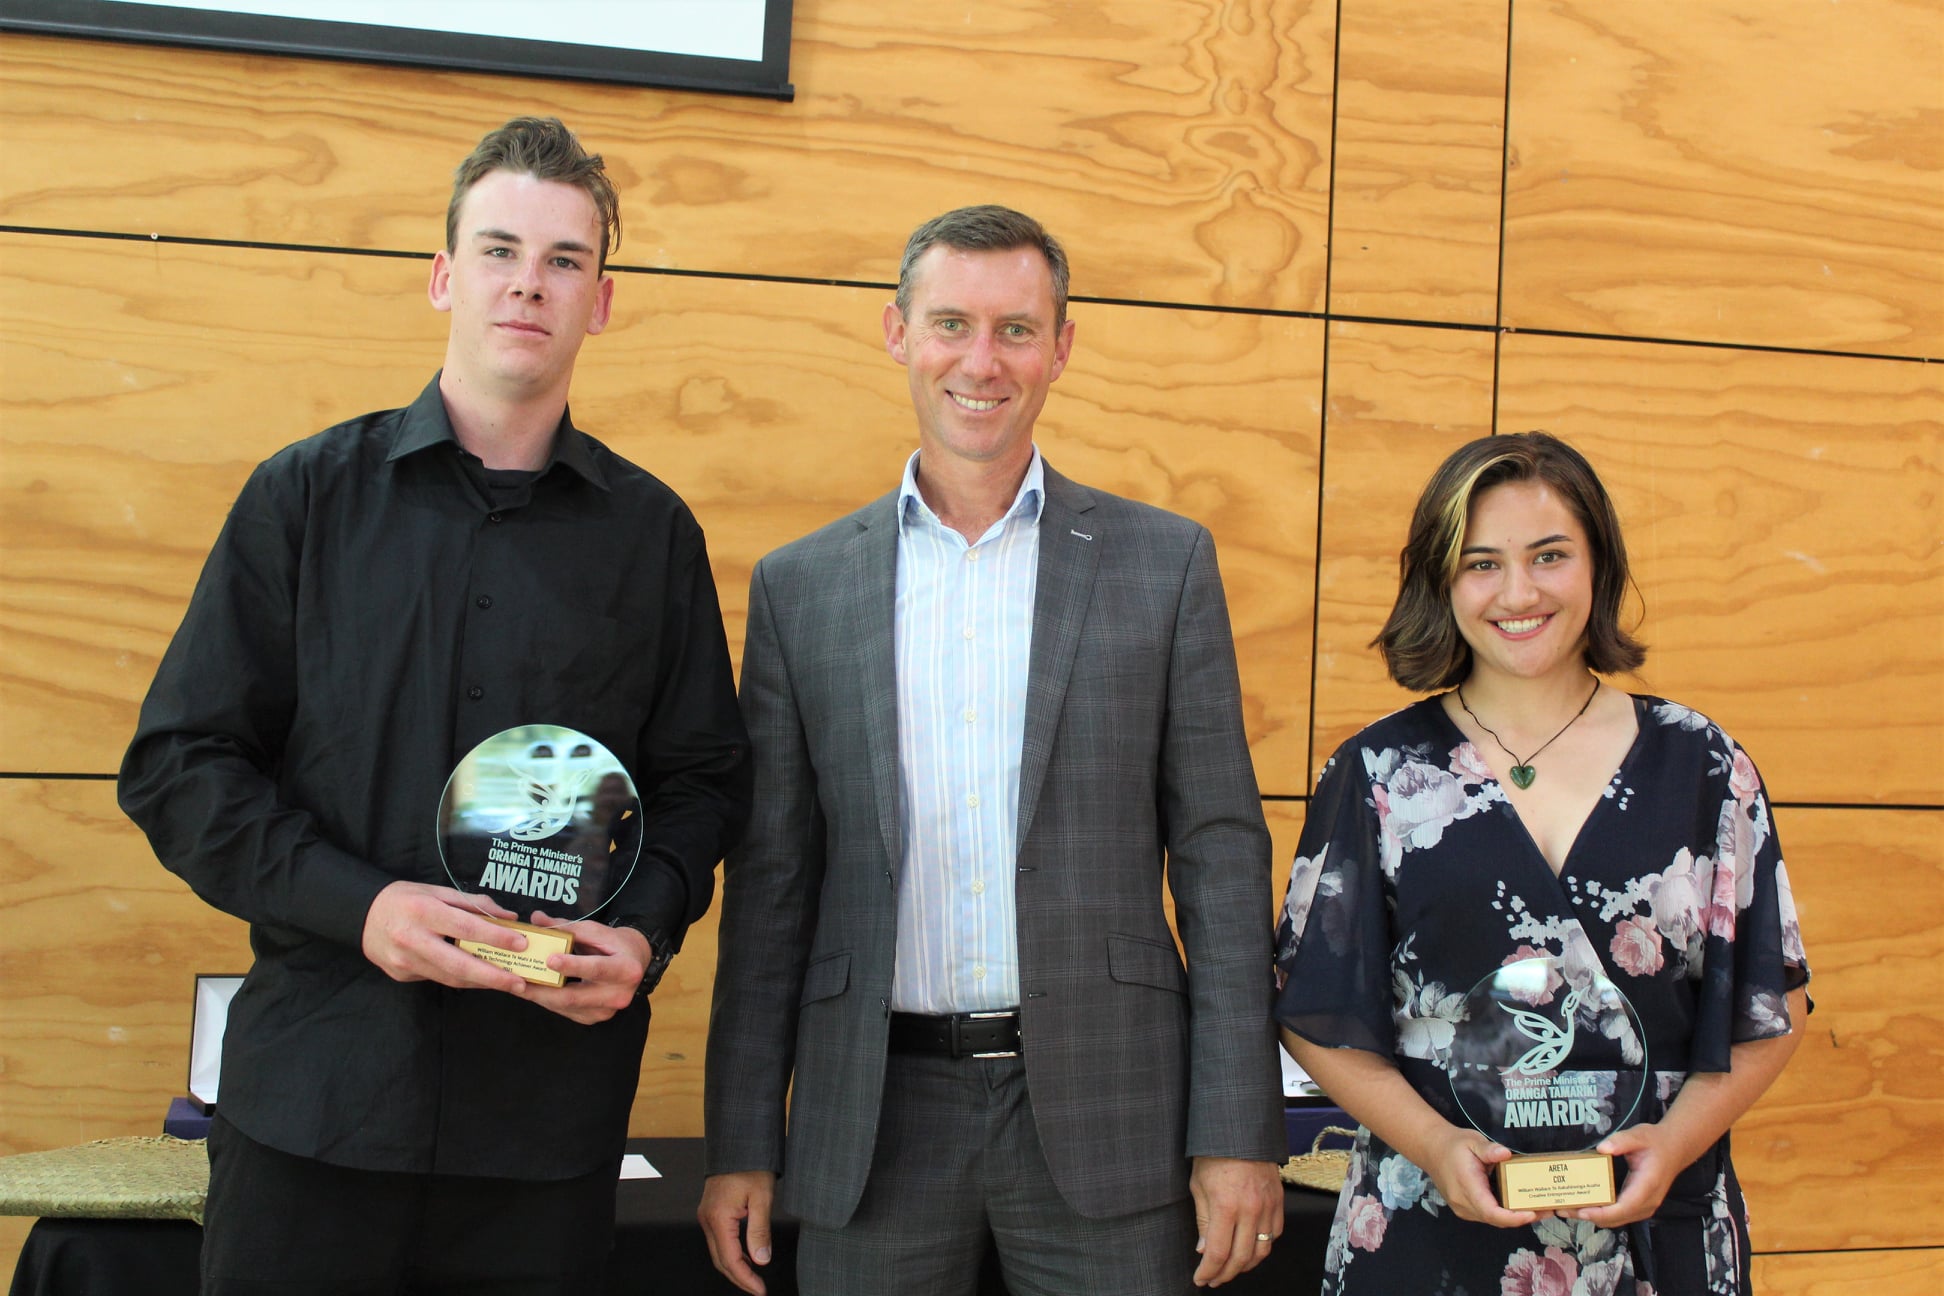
(1552, 1181)
(530, 962)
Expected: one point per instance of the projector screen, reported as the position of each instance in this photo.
(731, 46)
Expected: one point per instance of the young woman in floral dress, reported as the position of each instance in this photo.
(1630, 836)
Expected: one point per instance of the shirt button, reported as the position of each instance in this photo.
(475, 692)
(978, 888)
(492, 517)
(969, 632)
(973, 800)
(970, 715)
(978, 973)
(484, 601)
(971, 555)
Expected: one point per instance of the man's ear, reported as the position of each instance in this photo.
(603, 306)
(894, 331)
(438, 289)
(1062, 349)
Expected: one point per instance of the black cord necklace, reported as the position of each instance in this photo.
(1522, 772)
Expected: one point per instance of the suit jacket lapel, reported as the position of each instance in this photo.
(870, 612)
(1068, 556)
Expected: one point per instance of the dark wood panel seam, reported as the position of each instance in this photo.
(1323, 401)
(1505, 172)
(1856, 1251)
(1264, 312)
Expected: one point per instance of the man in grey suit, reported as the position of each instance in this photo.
(987, 712)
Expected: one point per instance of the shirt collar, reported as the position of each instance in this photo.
(1026, 504)
(425, 424)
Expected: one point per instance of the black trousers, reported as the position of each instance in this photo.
(285, 1224)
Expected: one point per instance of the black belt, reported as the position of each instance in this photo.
(957, 1035)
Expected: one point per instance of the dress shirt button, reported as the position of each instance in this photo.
(492, 517)
(475, 692)
(970, 715)
(973, 800)
(978, 887)
(969, 632)
(484, 601)
(971, 555)
(978, 973)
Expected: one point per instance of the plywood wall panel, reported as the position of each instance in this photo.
(1783, 515)
(1835, 1154)
(99, 959)
(1420, 140)
(1729, 170)
(1182, 148)
(1217, 418)
(1401, 399)
(144, 383)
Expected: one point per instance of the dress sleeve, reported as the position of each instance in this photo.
(1752, 954)
(1333, 942)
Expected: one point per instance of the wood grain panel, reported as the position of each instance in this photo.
(1401, 399)
(1181, 149)
(1783, 515)
(99, 958)
(143, 382)
(1836, 1154)
(1729, 170)
(1851, 1273)
(1216, 417)
(1420, 146)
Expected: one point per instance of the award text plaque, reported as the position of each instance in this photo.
(539, 817)
(1548, 1059)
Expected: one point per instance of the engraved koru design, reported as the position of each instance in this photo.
(556, 788)
(1555, 1042)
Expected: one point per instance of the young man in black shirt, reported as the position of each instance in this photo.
(384, 596)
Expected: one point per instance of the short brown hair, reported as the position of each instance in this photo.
(985, 228)
(1420, 642)
(545, 149)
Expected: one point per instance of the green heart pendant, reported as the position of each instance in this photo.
(1523, 775)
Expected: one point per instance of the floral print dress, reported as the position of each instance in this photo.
(1415, 879)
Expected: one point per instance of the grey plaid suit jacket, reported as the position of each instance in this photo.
(1134, 757)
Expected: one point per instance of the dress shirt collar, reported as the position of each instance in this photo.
(1026, 504)
(425, 424)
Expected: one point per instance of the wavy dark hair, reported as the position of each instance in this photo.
(1420, 642)
(545, 149)
(985, 228)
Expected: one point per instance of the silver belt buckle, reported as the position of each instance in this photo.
(988, 1016)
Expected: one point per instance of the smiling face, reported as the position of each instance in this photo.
(1524, 587)
(981, 350)
(523, 285)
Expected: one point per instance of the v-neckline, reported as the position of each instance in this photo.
(1579, 835)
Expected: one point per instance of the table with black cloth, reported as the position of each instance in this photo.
(658, 1247)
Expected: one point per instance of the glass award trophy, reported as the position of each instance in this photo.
(539, 817)
(1548, 1059)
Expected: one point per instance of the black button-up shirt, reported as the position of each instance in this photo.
(372, 609)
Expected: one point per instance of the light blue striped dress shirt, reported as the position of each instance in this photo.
(964, 639)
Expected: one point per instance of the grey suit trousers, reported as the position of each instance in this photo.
(958, 1161)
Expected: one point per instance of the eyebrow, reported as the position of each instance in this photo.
(1536, 544)
(508, 236)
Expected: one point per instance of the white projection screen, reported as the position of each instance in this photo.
(729, 46)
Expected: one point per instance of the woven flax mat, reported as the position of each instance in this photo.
(1321, 1168)
(156, 1177)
